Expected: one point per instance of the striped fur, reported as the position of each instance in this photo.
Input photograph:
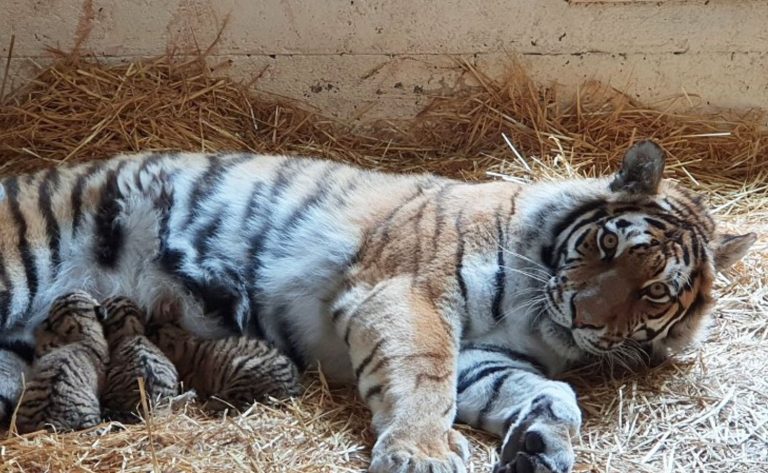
(132, 356)
(66, 379)
(231, 372)
(440, 299)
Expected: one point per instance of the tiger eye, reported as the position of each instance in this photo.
(609, 241)
(657, 290)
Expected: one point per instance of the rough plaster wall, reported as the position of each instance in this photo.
(357, 58)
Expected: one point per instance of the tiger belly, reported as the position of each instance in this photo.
(240, 243)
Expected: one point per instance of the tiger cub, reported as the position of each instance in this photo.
(228, 372)
(69, 370)
(131, 356)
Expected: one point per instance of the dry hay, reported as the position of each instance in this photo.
(706, 411)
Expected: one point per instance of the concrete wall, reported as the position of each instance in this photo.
(373, 58)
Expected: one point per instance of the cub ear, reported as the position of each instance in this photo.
(641, 169)
(731, 248)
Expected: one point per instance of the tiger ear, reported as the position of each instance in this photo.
(731, 248)
(641, 169)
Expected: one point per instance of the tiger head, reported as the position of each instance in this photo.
(632, 271)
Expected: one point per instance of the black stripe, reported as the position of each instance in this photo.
(208, 182)
(383, 230)
(479, 375)
(257, 240)
(144, 167)
(500, 279)
(289, 346)
(49, 185)
(203, 187)
(651, 334)
(372, 391)
(580, 240)
(491, 400)
(621, 223)
(359, 370)
(347, 332)
(5, 296)
(8, 406)
(548, 257)
(597, 216)
(574, 215)
(254, 327)
(512, 354)
(205, 238)
(656, 223)
(460, 261)
(164, 205)
(77, 194)
(541, 406)
(463, 374)
(27, 257)
(24, 350)
(319, 194)
(109, 234)
(511, 419)
(683, 219)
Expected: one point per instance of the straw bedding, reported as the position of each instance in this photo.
(706, 411)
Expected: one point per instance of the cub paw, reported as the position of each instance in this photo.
(540, 442)
(446, 453)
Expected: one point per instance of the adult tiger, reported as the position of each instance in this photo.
(443, 299)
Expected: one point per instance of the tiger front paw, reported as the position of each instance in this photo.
(540, 441)
(405, 453)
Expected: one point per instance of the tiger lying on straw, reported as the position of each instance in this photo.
(442, 300)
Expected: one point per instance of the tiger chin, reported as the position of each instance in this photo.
(441, 300)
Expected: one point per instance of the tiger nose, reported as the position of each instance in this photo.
(583, 313)
(581, 320)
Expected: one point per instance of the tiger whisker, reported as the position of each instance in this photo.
(536, 264)
(525, 273)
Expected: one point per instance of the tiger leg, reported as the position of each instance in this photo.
(404, 357)
(13, 367)
(504, 393)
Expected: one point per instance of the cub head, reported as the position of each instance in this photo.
(633, 269)
(123, 318)
(72, 318)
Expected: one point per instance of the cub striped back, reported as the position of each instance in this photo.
(68, 375)
(228, 372)
(133, 356)
(73, 318)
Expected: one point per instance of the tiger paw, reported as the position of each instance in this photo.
(540, 442)
(446, 453)
(537, 452)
